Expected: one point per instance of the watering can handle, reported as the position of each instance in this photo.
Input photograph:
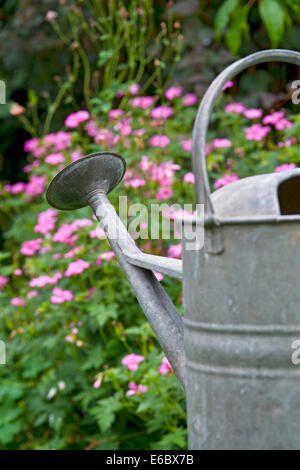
(203, 116)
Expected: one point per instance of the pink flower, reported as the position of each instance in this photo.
(273, 118)
(237, 108)
(64, 234)
(134, 88)
(115, 113)
(132, 361)
(54, 158)
(226, 179)
(173, 92)
(36, 185)
(124, 127)
(18, 272)
(91, 128)
(60, 296)
(283, 124)
(74, 119)
(31, 294)
(81, 223)
(97, 383)
(76, 155)
(256, 132)
(60, 141)
(42, 281)
(253, 113)
(135, 389)
(221, 143)
(161, 112)
(187, 145)
(50, 15)
(39, 152)
(189, 178)
(158, 276)
(159, 141)
(98, 232)
(175, 251)
(227, 85)
(31, 246)
(107, 256)
(164, 193)
(76, 267)
(145, 165)
(189, 99)
(165, 366)
(287, 142)
(285, 167)
(143, 102)
(31, 144)
(15, 188)
(18, 302)
(46, 221)
(3, 281)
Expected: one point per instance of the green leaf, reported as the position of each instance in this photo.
(273, 16)
(223, 15)
(238, 28)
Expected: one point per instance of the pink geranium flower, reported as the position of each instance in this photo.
(187, 145)
(237, 108)
(115, 113)
(164, 193)
(3, 281)
(253, 113)
(15, 188)
(285, 167)
(46, 221)
(256, 132)
(36, 185)
(227, 179)
(60, 296)
(273, 118)
(175, 251)
(143, 102)
(132, 361)
(18, 302)
(173, 92)
(44, 280)
(189, 99)
(76, 267)
(31, 144)
(161, 112)
(74, 119)
(31, 246)
(135, 389)
(221, 143)
(134, 88)
(227, 85)
(165, 366)
(55, 158)
(189, 178)
(159, 141)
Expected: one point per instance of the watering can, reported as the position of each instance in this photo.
(232, 353)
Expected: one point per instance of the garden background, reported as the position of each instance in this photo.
(83, 368)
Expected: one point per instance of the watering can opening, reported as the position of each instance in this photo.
(289, 196)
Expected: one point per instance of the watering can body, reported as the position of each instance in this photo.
(233, 353)
(242, 317)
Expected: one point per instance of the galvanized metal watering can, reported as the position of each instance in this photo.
(233, 353)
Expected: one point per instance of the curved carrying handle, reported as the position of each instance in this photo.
(203, 116)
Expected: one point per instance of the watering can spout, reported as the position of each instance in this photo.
(87, 182)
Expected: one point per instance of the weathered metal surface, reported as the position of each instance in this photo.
(241, 316)
(72, 186)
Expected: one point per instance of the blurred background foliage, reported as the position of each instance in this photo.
(92, 46)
